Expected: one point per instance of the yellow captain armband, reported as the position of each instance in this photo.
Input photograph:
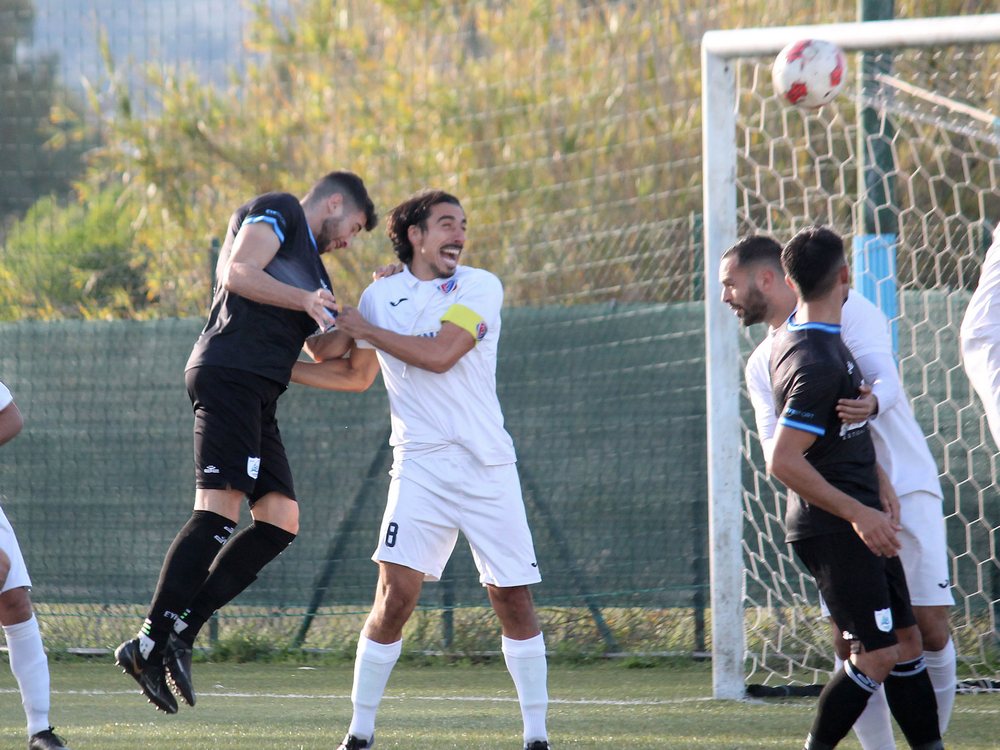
(466, 319)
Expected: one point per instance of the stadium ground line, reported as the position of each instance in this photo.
(347, 696)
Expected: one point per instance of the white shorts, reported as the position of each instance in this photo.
(981, 360)
(923, 551)
(18, 575)
(433, 497)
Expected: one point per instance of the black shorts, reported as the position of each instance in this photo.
(237, 444)
(866, 594)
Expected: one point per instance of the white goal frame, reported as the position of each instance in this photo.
(722, 355)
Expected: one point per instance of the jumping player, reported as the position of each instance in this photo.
(434, 329)
(273, 293)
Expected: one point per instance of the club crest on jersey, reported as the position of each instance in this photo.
(883, 619)
(481, 330)
(449, 286)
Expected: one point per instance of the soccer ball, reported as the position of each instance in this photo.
(809, 72)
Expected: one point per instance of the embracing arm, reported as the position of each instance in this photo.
(876, 529)
(354, 373)
(243, 273)
(436, 354)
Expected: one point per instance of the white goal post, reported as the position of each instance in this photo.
(726, 215)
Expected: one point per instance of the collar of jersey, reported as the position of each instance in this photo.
(412, 281)
(827, 327)
(312, 238)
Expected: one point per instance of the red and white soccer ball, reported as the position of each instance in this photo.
(809, 72)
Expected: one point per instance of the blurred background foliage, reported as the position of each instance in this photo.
(570, 128)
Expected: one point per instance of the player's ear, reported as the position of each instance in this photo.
(334, 202)
(790, 284)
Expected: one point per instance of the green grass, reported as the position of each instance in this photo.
(255, 706)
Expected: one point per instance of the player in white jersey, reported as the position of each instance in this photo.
(753, 285)
(24, 642)
(980, 337)
(434, 328)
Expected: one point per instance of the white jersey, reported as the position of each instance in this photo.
(5, 397)
(900, 445)
(430, 411)
(982, 316)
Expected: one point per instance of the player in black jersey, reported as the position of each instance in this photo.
(273, 293)
(834, 518)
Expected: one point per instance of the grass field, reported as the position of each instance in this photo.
(288, 706)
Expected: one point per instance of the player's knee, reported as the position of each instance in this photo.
(935, 632)
(878, 663)
(15, 606)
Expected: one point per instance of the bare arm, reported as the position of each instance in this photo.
(353, 374)
(10, 422)
(254, 247)
(436, 354)
(789, 465)
(887, 494)
(332, 345)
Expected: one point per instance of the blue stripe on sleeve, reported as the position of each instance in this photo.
(270, 220)
(801, 426)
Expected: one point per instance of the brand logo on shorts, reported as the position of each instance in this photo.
(210, 469)
(883, 619)
(847, 635)
(944, 584)
(253, 467)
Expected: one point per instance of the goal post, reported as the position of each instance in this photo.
(771, 168)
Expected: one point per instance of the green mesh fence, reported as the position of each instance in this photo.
(101, 478)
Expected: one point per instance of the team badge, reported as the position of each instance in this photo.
(481, 330)
(883, 619)
(449, 286)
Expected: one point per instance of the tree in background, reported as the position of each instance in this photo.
(37, 156)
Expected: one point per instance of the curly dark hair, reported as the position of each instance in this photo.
(413, 211)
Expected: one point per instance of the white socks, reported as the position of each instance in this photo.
(372, 667)
(31, 670)
(941, 670)
(874, 726)
(527, 665)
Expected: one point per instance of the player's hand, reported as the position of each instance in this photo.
(854, 410)
(889, 499)
(384, 271)
(322, 308)
(352, 323)
(878, 531)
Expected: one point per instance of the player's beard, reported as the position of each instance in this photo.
(754, 310)
(328, 234)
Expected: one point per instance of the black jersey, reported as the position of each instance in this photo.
(811, 369)
(259, 338)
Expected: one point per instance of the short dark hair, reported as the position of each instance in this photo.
(812, 259)
(351, 187)
(755, 249)
(411, 212)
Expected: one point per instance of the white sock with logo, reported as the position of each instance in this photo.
(31, 670)
(874, 726)
(941, 669)
(372, 667)
(529, 669)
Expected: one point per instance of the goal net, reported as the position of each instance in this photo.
(907, 157)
